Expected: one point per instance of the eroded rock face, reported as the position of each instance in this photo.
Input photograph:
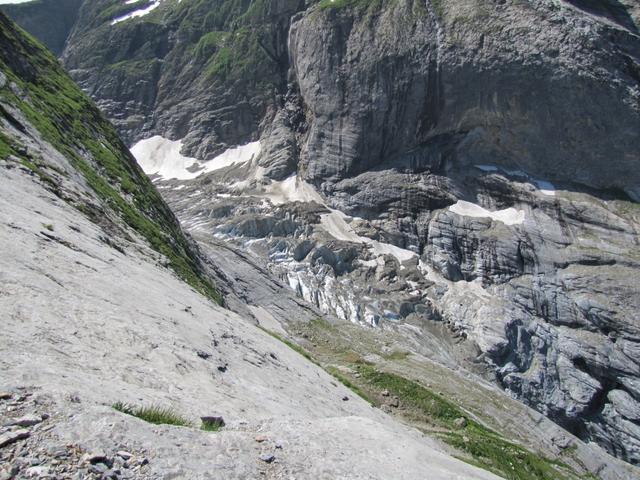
(470, 82)
(206, 72)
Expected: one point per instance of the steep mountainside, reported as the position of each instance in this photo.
(462, 172)
(94, 317)
(50, 21)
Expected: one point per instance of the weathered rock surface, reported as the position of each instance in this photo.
(461, 83)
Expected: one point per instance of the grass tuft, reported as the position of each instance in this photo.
(211, 426)
(396, 355)
(153, 414)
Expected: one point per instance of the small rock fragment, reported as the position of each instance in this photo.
(345, 398)
(5, 395)
(98, 468)
(212, 421)
(267, 457)
(394, 402)
(11, 437)
(261, 438)
(37, 472)
(124, 454)
(96, 457)
(385, 393)
(26, 421)
(460, 422)
(57, 451)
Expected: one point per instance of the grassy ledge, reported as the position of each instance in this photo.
(422, 408)
(334, 372)
(480, 445)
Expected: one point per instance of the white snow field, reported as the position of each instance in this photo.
(162, 157)
(508, 216)
(136, 13)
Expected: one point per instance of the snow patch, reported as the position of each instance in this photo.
(232, 156)
(160, 156)
(487, 168)
(335, 223)
(292, 189)
(508, 216)
(545, 187)
(136, 13)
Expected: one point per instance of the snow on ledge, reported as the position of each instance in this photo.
(292, 189)
(543, 186)
(336, 225)
(160, 156)
(136, 13)
(508, 216)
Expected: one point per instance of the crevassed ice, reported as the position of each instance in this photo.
(508, 216)
(160, 156)
(294, 189)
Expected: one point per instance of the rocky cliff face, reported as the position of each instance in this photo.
(204, 71)
(462, 83)
(50, 21)
(463, 163)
